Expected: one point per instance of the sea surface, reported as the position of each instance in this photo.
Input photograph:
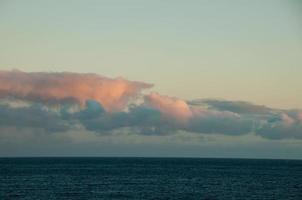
(149, 178)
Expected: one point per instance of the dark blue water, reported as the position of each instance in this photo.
(149, 178)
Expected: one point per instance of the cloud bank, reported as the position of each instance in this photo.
(61, 102)
(52, 88)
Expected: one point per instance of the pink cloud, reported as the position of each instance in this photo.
(169, 106)
(287, 120)
(113, 94)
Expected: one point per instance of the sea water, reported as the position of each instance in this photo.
(149, 178)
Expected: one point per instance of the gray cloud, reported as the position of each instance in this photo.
(223, 124)
(35, 116)
(139, 119)
(284, 125)
(239, 107)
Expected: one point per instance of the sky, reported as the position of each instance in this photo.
(151, 78)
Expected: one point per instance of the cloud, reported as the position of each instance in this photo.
(239, 107)
(221, 123)
(147, 120)
(106, 106)
(258, 119)
(284, 125)
(169, 106)
(34, 117)
(113, 94)
(139, 119)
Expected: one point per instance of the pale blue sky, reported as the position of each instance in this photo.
(237, 50)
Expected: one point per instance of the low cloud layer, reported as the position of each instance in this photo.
(106, 105)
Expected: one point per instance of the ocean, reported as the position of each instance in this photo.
(149, 178)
